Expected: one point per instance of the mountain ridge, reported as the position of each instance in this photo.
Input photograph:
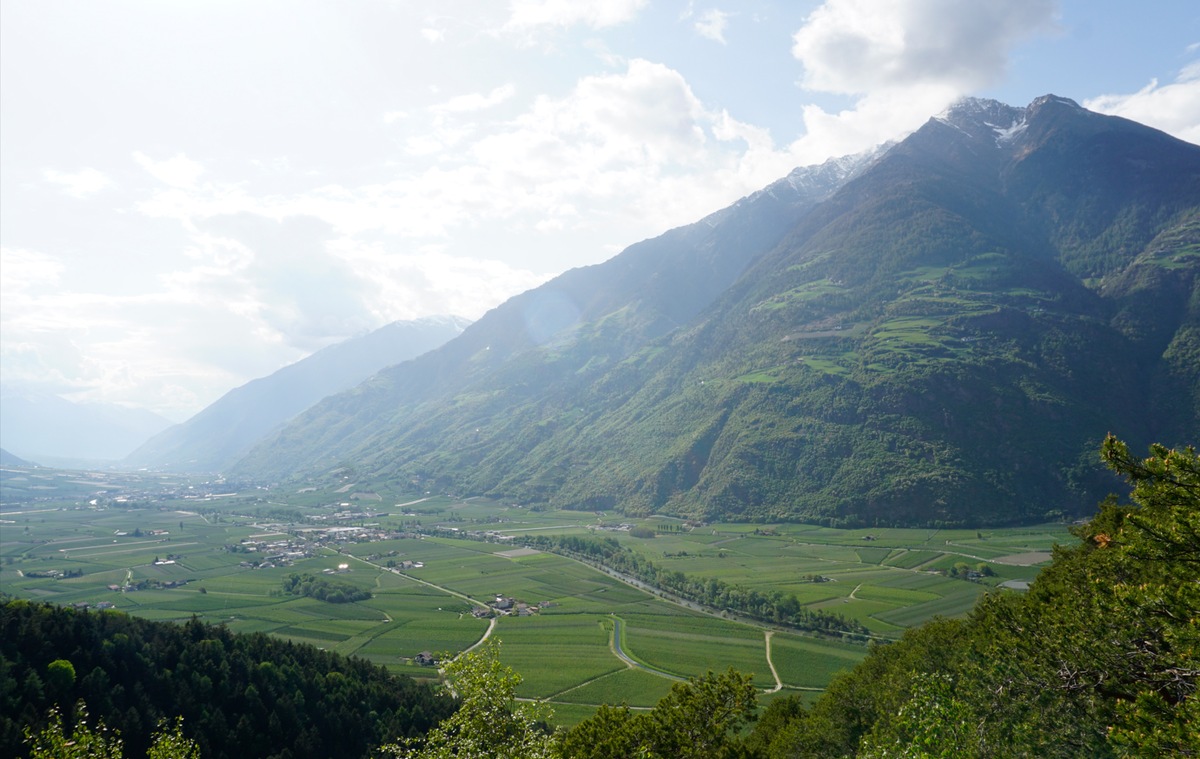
(857, 364)
(213, 438)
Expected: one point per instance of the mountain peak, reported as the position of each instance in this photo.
(993, 121)
(1045, 99)
(818, 181)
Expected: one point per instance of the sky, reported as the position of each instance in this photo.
(195, 193)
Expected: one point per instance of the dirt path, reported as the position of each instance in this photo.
(778, 683)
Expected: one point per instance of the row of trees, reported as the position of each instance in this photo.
(773, 607)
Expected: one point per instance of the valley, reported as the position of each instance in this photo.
(444, 573)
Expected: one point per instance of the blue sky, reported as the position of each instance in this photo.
(195, 193)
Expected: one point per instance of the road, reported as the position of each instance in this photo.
(486, 633)
(615, 645)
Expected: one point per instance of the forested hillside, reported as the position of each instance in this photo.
(240, 696)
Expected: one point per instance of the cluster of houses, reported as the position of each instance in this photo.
(303, 543)
(504, 606)
(347, 514)
(623, 527)
(56, 574)
(347, 534)
(276, 553)
(402, 566)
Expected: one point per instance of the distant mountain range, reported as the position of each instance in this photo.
(939, 333)
(214, 438)
(57, 432)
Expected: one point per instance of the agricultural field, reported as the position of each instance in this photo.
(435, 567)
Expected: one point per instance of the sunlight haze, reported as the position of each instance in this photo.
(195, 194)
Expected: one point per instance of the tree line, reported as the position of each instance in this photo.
(773, 607)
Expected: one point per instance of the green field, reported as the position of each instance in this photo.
(176, 553)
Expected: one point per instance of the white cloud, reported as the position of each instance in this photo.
(711, 25)
(166, 350)
(902, 61)
(427, 280)
(527, 15)
(874, 118)
(858, 46)
(80, 184)
(1173, 108)
(475, 101)
(629, 143)
(177, 171)
(433, 35)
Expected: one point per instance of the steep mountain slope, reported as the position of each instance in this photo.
(942, 341)
(214, 438)
(55, 431)
(560, 334)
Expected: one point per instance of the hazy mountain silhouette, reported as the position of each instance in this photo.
(217, 435)
(35, 424)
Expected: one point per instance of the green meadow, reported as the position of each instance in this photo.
(173, 557)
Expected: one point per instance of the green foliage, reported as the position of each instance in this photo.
(60, 677)
(56, 741)
(933, 724)
(169, 742)
(323, 590)
(699, 719)
(489, 723)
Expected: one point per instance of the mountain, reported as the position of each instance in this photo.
(941, 335)
(55, 431)
(9, 459)
(215, 437)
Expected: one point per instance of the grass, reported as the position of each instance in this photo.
(808, 663)
(633, 687)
